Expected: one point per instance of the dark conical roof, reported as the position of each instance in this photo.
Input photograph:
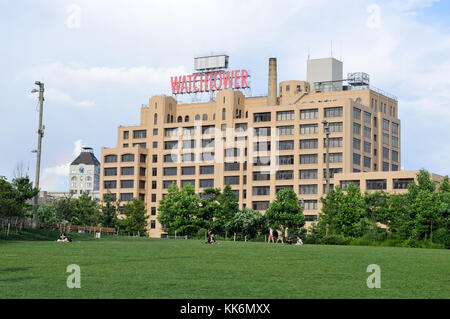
(86, 157)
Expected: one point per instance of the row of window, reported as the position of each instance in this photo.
(124, 158)
(379, 184)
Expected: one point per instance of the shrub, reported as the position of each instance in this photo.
(335, 240)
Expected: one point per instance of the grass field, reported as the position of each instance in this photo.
(121, 267)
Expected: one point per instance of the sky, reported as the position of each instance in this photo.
(101, 60)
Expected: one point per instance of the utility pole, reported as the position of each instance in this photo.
(327, 160)
(327, 155)
(38, 155)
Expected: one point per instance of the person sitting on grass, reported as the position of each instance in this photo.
(63, 238)
(289, 240)
(211, 239)
(299, 241)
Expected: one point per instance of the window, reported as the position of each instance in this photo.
(170, 158)
(128, 158)
(126, 135)
(125, 197)
(356, 144)
(385, 153)
(188, 131)
(125, 145)
(231, 180)
(155, 144)
(186, 118)
(333, 112)
(335, 127)
(241, 127)
(142, 184)
(188, 144)
(153, 184)
(285, 130)
(110, 184)
(309, 114)
(261, 176)
(169, 145)
(356, 113)
(285, 145)
(261, 190)
(308, 128)
(344, 184)
(154, 171)
(207, 156)
(143, 145)
(188, 157)
(334, 142)
(224, 114)
(367, 161)
(170, 171)
(208, 129)
(375, 184)
(206, 183)
(309, 144)
(394, 140)
(110, 171)
(402, 183)
(188, 181)
(142, 171)
(284, 175)
(308, 174)
(356, 159)
(207, 169)
(367, 147)
(209, 142)
(333, 158)
(332, 171)
(204, 117)
(385, 138)
(261, 161)
(232, 167)
(155, 131)
(310, 205)
(127, 183)
(261, 146)
(367, 117)
(385, 167)
(188, 170)
(308, 189)
(110, 158)
(262, 117)
(260, 205)
(281, 187)
(285, 116)
(154, 158)
(308, 159)
(166, 184)
(262, 131)
(179, 119)
(140, 134)
(153, 211)
(356, 128)
(394, 155)
(385, 125)
(367, 132)
(127, 170)
(231, 152)
(173, 132)
(285, 160)
(394, 128)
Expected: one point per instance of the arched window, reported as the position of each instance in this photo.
(168, 118)
(214, 116)
(240, 113)
(358, 100)
(224, 113)
(171, 119)
(205, 117)
(246, 114)
(180, 119)
(74, 178)
(186, 118)
(155, 119)
(197, 117)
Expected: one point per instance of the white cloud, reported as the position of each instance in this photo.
(56, 96)
(58, 170)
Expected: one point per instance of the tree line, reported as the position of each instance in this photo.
(414, 218)
(184, 212)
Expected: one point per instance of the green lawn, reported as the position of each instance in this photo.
(124, 267)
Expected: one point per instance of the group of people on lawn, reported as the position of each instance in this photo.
(280, 237)
(212, 239)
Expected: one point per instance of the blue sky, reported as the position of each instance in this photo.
(101, 60)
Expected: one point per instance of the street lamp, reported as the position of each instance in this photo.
(327, 157)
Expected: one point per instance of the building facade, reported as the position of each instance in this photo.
(257, 145)
(84, 176)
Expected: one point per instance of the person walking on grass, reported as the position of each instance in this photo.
(280, 236)
(270, 235)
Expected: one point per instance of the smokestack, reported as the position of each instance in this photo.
(272, 87)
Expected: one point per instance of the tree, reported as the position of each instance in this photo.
(285, 211)
(86, 211)
(136, 221)
(109, 209)
(228, 207)
(375, 207)
(209, 206)
(327, 222)
(179, 210)
(14, 196)
(248, 222)
(350, 210)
